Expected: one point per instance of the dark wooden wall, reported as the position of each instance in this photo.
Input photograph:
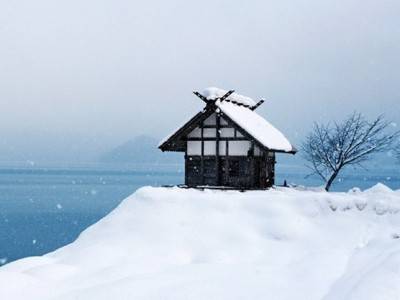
(233, 171)
(221, 169)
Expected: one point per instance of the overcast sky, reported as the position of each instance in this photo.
(110, 70)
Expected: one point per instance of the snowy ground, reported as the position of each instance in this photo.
(183, 244)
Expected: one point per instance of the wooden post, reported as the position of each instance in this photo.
(252, 165)
(186, 168)
(202, 153)
(273, 170)
(218, 179)
(226, 162)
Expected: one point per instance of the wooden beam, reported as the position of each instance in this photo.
(186, 167)
(215, 139)
(252, 163)
(201, 96)
(226, 163)
(226, 95)
(258, 104)
(217, 164)
(215, 126)
(202, 153)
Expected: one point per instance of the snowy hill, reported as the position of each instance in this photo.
(183, 244)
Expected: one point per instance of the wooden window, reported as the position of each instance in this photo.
(209, 132)
(195, 133)
(239, 148)
(193, 148)
(227, 132)
(238, 134)
(223, 122)
(211, 120)
(210, 147)
(222, 148)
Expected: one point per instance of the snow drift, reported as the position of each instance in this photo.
(281, 244)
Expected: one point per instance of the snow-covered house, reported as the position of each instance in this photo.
(228, 143)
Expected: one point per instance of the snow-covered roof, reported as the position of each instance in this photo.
(213, 93)
(239, 109)
(256, 126)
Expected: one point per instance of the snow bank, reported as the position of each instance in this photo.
(281, 244)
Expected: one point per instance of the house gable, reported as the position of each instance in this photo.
(239, 116)
(177, 140)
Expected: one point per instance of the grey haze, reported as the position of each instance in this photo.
(80, 77)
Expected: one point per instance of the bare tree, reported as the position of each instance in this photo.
(330, 148)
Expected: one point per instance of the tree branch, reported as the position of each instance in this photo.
(330, 148)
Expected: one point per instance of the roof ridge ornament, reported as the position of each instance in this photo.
(238, 103)
(225, 98)
(201, 96)
(258, 104)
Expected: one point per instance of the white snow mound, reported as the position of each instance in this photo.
(176, 244)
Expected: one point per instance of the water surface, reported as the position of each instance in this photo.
(42, 209)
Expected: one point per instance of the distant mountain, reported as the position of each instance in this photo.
(141, 149)
(51, 147)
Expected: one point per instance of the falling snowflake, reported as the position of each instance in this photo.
(59, 206)
(30, 162)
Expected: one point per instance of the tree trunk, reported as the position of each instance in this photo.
(331, 180)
